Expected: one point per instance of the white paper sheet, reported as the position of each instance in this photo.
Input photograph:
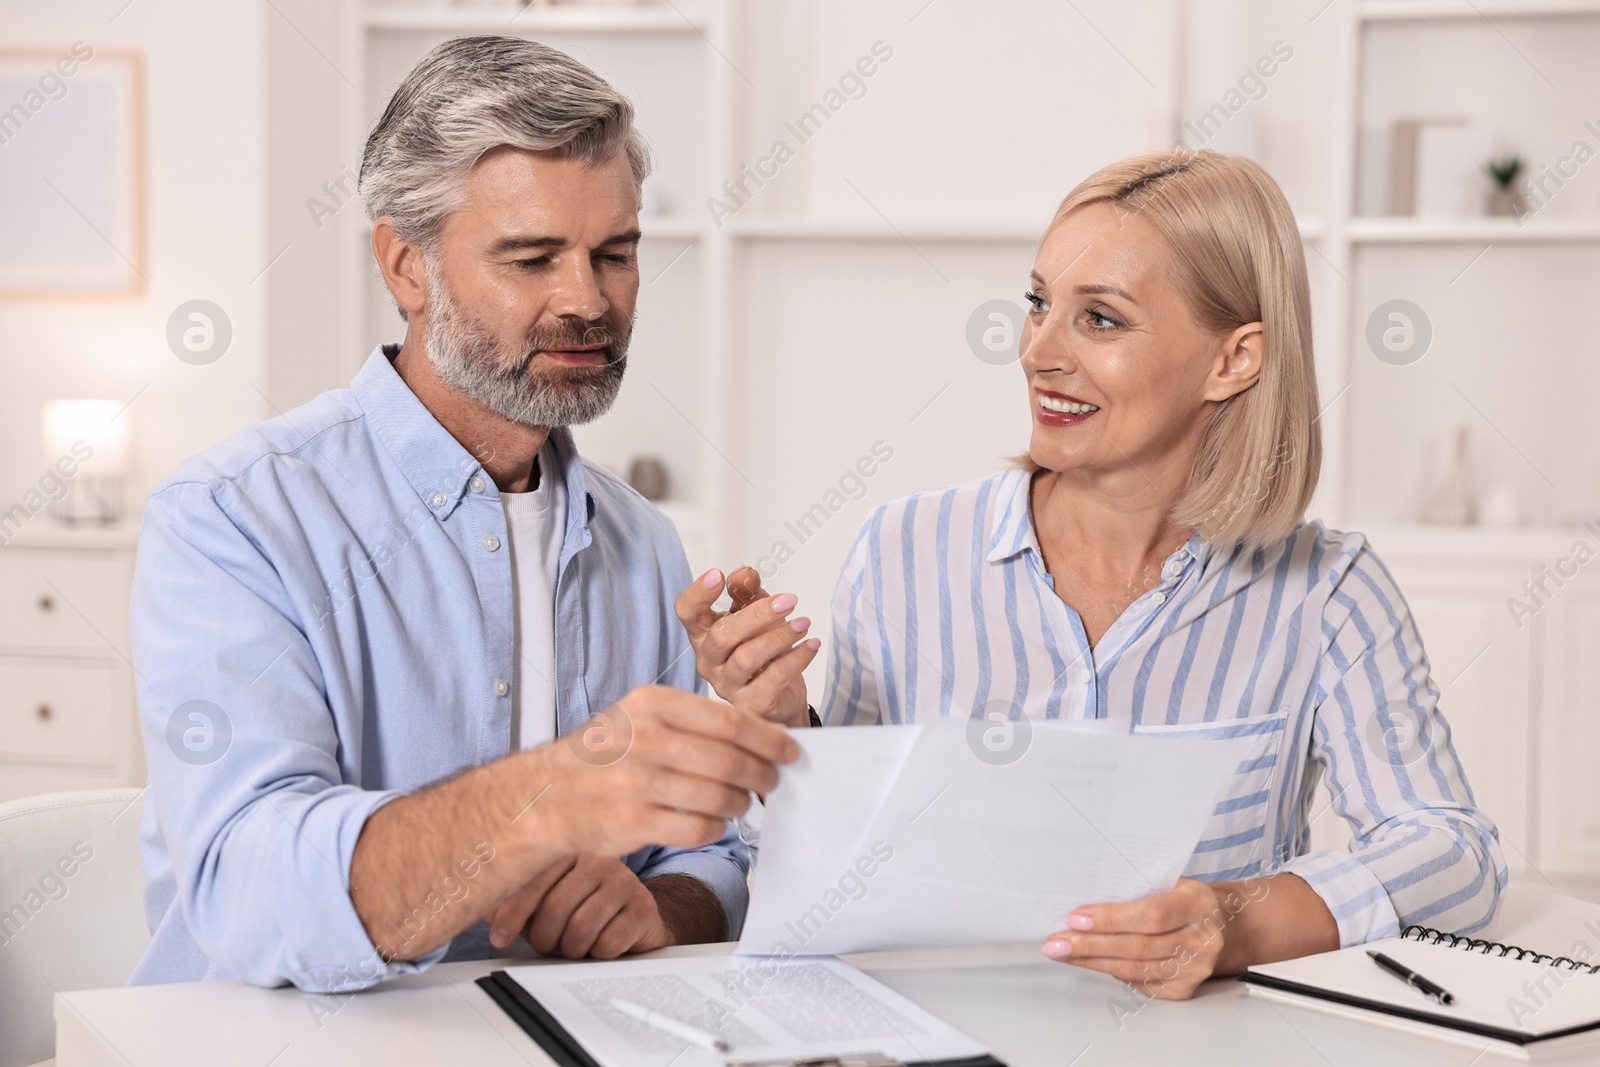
(764, 1008)
(948, 849)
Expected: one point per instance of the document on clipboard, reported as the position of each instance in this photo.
(766, 1011)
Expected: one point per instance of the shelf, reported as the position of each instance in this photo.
(671, 227)
(1471, 231)
(45, 532)
(1446, 545)
(877, 230)
(996, 232)
(575, 18)
(1434, 10)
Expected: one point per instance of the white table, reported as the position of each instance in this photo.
(1030, 1011)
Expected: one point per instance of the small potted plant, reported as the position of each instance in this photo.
(1506, 198)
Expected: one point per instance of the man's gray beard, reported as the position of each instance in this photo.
(508, 381)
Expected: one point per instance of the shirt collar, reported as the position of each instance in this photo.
(1014, 532)
(1013, 517)
(439, 469)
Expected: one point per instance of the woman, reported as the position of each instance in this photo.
(1148, 561)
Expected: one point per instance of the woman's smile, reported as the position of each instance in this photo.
(1059, 409)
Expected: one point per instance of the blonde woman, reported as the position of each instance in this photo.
(1149, 562)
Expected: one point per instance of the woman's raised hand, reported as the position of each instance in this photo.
(753, 654)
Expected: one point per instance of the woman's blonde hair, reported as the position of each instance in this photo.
(1237, 258)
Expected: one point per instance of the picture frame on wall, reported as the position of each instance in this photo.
(71, 172)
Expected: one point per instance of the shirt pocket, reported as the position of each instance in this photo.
(1236, 842)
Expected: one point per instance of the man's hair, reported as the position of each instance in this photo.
(471, 95)
(1235, 254)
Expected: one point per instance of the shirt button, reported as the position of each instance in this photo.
(491, 542)
(440, 500)
(501, 687)
(1158, 598)
(1172, 570)
(476, 484)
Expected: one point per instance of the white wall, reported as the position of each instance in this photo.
(983, 114)
(204, 182)
(989, 110)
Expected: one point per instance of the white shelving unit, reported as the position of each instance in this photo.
(1341, 236)
(1513, 688)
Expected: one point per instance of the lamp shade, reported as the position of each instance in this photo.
(96, 423)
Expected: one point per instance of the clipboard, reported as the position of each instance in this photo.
(526, 1011)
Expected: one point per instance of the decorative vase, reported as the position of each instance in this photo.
(1456, 503)
(648, 476)
(1508, 202)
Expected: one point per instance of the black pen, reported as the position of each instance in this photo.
(1411, 978)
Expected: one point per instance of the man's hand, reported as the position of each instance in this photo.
(583, 905)
(749, 654)
(659, 767)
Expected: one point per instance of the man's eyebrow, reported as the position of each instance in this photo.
(512, 242)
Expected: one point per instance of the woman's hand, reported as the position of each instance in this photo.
(1167, 944)
(749, 654)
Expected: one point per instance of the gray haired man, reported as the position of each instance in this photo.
(433, 650)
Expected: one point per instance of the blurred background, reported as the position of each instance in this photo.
(846, 201)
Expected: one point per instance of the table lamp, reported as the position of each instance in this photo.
(86, 446)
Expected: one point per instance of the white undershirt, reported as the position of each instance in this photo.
(535, 525)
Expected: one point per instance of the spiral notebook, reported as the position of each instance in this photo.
(1533, 1001)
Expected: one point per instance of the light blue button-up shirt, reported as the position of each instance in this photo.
(322, 621)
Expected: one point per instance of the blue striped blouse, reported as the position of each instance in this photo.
(1306, 648)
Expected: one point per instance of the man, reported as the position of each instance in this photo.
(359, 627)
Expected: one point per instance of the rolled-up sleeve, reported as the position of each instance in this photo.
(1421, 850)
(248, 793)
(721, 866)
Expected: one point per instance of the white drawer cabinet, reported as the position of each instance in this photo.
(63, 711)
(60, 598)
(67, 711)
(1567, 776)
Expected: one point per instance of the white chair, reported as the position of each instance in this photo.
(71, 908)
